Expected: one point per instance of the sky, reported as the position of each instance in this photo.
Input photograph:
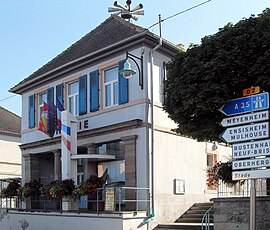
(32, 32)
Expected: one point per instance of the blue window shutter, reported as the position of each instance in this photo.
(50, 94)
(31, 111)
(82, 95)
(123, 85)
(59, 93)
(94, 91)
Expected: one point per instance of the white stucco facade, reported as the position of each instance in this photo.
(10, 156)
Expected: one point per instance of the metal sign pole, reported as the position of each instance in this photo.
(252, 222)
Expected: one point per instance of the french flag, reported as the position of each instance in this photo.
(59, 108)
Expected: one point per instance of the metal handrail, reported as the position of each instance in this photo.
(206, 219)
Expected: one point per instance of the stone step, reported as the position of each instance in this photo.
(198, 211)
(189, 220)
(186, 226)
(193, 215)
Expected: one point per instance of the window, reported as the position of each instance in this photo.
(41, 99)
(211, 160)
(31, 111)
(111, 87)
(80, 171)
(73, 98)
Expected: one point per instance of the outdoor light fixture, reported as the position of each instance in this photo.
(127, 72)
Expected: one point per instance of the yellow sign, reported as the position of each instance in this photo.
(110, 199)
(250, 91)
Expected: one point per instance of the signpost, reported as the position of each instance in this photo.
(251, 174)
(248, 155)
(245, 132)
(245, 119)
(250, 91)
(251, 163)
(251, 149)
(246, 104)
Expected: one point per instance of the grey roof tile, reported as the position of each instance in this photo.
(112, 30)
(9, 122)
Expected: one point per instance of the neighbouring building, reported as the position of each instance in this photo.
(10, 153)
(114, 129)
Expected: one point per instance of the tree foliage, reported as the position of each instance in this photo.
(200, 80)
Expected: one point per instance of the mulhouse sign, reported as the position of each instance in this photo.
(249, 134)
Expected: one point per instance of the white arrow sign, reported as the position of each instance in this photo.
(245, 133)
(251, 174)
(244, 119)
(251, 163)
(251, 149)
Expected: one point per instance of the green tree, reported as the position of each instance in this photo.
(202, 79)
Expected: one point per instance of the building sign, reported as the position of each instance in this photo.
(251, 163)
(110, 199)
(251, 174)
(251, 149)
(246, 132)
(244, 119)
(248, 104)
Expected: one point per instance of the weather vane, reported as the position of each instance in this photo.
(126, 11)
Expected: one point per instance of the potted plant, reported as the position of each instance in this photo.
(91, 185)
(11, 190)
(91, 188)
(31, 189)
(221, 171)
(58, 189)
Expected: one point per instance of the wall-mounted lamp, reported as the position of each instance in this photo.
(127, 72)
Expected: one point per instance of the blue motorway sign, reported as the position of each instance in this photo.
(248, 104)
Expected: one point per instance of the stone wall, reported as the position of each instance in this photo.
(233, 213)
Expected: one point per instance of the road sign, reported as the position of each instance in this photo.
(245, 132)
(250, 91)
(251, 149)
(244, 119)
(251, 163)
(246, 104)
(251, 174)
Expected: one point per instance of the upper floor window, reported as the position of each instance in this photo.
(73, 98)
(41, 99)
(111, 89)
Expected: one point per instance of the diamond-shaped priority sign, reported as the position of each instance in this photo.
(248, 104)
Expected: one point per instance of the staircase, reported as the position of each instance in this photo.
(191, 219)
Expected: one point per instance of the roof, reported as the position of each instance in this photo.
(112, 31)
(9, 122)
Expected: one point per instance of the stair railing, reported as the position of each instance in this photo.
(206, 219)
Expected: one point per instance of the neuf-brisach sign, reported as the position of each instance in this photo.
(251, 149)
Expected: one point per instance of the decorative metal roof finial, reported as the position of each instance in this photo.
(125, 11)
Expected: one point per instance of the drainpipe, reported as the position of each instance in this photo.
(152, 214)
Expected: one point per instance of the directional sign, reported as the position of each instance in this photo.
(251, 149)
(251, 174)
(251, 163)
(246, 104)
(244, 119)
(245, 133)
(250, 91)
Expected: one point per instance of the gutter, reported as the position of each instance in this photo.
(152, 214)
